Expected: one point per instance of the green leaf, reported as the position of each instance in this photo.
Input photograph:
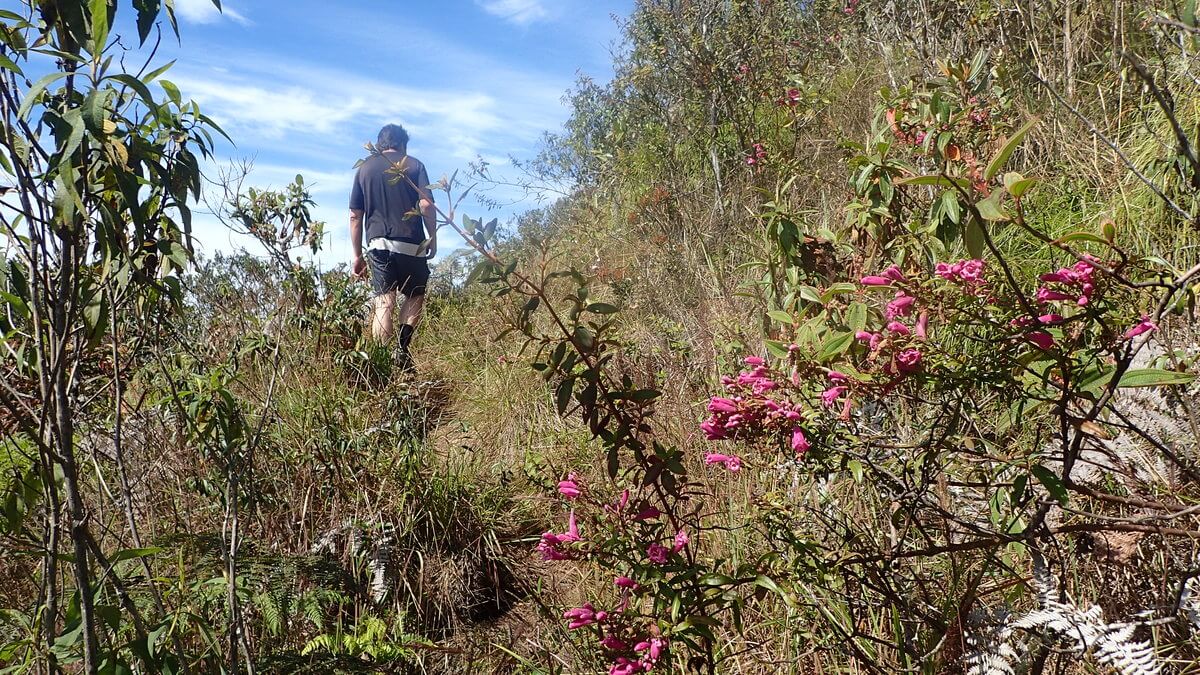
(1010, 146)
(810, 294)
(944, 181)
(583, 337)
(99, 26)
(35, 93)
(1154, 377)
(147, 12)
(856, 316)
(974, 239)
(835, 345)
(1051, 482)
(139, 87)
(602, 308)
(782, 317)
(856, 470)
(1081, 236)
(171, 90)
(133, 553)
(95, 110)
(8, 64)
(776, 348)
(562, 397)
(990, 208)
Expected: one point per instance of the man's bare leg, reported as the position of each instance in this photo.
(382, 324)
(410, 311)
(410, 315)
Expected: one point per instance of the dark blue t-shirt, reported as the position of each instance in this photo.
(390, 204)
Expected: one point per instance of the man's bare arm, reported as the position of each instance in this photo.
(357, 266)
(429, 216)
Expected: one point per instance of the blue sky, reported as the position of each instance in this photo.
(301, 85)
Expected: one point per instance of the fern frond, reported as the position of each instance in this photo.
(989, 648)
(1189, 601)
(1115, 647)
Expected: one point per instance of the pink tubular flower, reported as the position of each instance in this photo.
(722, 405)
(897, 328)
(908, 360)
(945, 271)
(901, 306)
(800, 444)
(753, 361)
(681, 541)
(712, 430)
(625, 582)
(922, 327)
(613, 643)
(731, 462)
(1041, 338)
(624, 666)
(1145, 325)
(569, 488)
(657, 553)
(875, 281)
(895, 274)
(550, 544)
(1045, 295)
(837, 376)
(971, 270)
(1050, 319)
(653, 649)
(864, 336)
(831, 395)
(584, 616)
(648, 513)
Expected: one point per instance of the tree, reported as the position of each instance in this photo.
(98, 174)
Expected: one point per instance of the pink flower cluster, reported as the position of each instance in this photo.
(893, 343)
(645, 657)
(791, 98)
(969, 273)
(1074, 283)
(631, 649)
(757, 155)
(552, 544)
(658, 554)
(749, 411)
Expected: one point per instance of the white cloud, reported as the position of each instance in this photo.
(204, 11)
(520, 12)
(310, 109)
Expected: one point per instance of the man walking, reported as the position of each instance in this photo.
(391, 196)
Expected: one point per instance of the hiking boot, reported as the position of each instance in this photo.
(404, 362)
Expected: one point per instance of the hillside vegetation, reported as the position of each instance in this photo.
(860, 340)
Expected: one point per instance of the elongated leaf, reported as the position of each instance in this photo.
(835, 345)
(1010, 146)
(931, 179)
(35, 93)
(602, 308)
(973, 238)
(781, 317)
(147, 12)
(562, 397)
(133, 553)
(99, 26)
(776, 349)
(1154, 377)
(1051, 482)
(8, 64)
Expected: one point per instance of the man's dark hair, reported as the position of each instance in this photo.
(392, 137)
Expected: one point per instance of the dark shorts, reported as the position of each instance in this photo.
(398, 272)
